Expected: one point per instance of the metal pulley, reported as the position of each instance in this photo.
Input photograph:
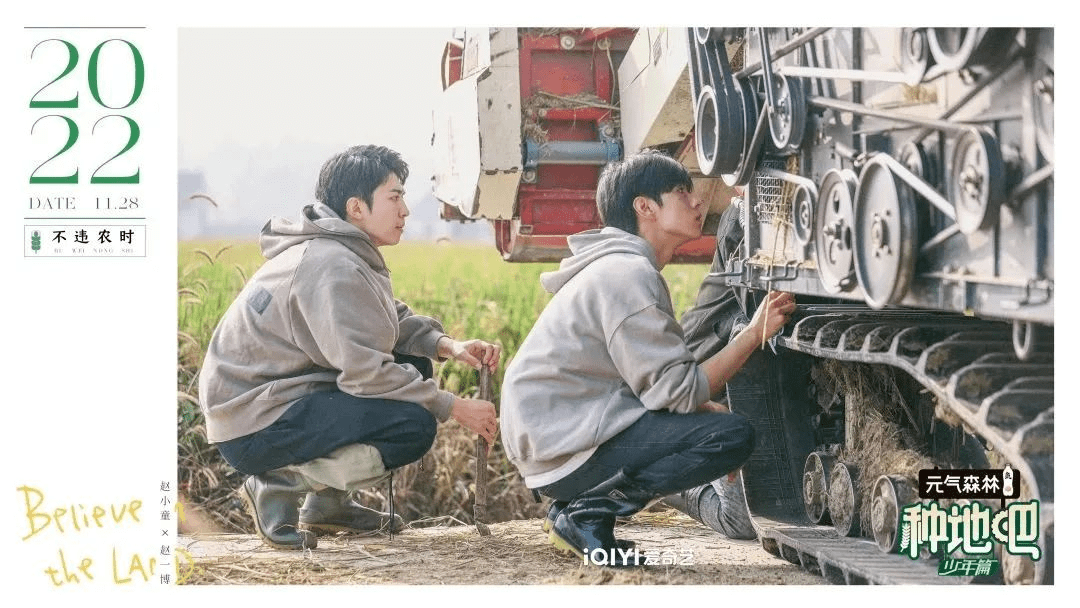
(802, 214)
(977, 180)
(1042, 90)
(922, 163)
(752, 139)
(834, 219)
(951, 47)
(719, 34)
(958, 48)
(886, 228)
(915, 56)
(725, 109)
(787, 116)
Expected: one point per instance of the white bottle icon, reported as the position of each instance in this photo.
(1007, 477)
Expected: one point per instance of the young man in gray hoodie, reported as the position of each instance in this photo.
(317, 381)
(604, 407)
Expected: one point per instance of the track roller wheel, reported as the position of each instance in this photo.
(844, 499)
(816, 473)
(890, 495)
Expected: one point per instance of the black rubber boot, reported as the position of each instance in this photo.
(272, 501)
(719, 505)
(557, 507)
(587, 523)
(553, 511)
(332, 510)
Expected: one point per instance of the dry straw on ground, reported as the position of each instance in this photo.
(516, 553)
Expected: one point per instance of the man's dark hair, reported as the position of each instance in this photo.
(648, 173)
(357, 171)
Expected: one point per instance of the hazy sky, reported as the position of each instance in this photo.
(261, 109)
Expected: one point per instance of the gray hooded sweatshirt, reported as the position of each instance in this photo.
(319, 314)
(605, 349)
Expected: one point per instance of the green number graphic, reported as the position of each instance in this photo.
(92, 74)
(133, 136)
(92, 77)
(73, 59)
(73, 135)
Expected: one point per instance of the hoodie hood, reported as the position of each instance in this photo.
(319, 221)
(586, 247)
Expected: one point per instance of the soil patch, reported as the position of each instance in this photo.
(516, 553)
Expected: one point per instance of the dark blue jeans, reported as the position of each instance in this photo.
(664, 453)
(320, 423)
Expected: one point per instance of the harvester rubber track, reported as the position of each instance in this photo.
(970, 367)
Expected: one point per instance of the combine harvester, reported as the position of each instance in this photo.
(900, 181)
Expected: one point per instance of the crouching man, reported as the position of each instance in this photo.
(317, 381)
(604, 407)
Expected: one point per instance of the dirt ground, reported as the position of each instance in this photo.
(515, 553)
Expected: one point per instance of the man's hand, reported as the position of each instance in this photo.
(476, 415)
(772, 314)
(473, 353)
